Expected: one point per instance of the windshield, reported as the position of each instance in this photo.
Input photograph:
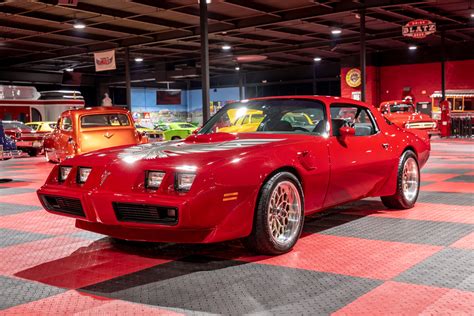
(12, 125)
(104, 120)
(400, 108)
(270, 116)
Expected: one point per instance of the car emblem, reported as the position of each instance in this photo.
(108, 135)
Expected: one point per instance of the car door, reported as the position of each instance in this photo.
(64, 138)
(359, 163)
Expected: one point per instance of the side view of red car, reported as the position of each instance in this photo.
(404, 114)
(27, 140)
(256, 185)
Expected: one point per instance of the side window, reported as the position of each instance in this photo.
(246, 119)
(354, 116)
(66, 124)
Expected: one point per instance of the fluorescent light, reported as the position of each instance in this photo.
(472, 15)
(138, 59)
(317, 58)
(79, 25)
(237, 68)
(336, 31)
(412, 47)
(226, 47)
(69, 69)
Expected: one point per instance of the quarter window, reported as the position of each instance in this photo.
(358, 117)
(66, 123)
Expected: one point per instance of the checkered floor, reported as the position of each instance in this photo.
(356, 259)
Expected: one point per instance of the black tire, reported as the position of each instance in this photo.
(399, 200)
(33, 152)
(175, 138)
(260, 239)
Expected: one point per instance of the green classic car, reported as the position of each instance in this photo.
(176, 130)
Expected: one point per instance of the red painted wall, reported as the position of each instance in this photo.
(387, 83)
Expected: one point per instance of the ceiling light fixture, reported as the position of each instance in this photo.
(79, 25)
(226, 47)
(69, 69)
(138, 59)
(237, 68)
(472, 15)
(317, 58)
(412, 47)
(336, 31)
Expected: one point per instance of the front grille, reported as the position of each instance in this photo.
(65, 205)
(145, 213)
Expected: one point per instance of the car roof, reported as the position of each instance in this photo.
(97, 110)
(325, 99)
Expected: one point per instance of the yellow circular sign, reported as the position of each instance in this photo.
(353, 78)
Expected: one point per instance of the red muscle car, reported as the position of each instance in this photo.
(403, 114)
(258, 185)
(27, 139)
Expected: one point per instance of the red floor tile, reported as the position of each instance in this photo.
(466, 242)
(421, 211)
(66, 303)
(451, 166)
(437, 176)
(39, 222)
(24, 198)
(361, 257)
(83, 267)
(393, 298)
(455, 187)
(24, 256)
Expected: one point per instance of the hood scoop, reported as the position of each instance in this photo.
(211, 138)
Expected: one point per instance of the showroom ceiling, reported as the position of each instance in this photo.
(40, 35)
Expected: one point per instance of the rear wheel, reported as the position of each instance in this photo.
(408, 183)
(33, 152)
(279, 216)
(175, 138)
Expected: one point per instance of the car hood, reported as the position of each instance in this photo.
(196, 151)
(408, 117)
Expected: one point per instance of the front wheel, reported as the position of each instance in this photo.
(408, 183)
(279, 216)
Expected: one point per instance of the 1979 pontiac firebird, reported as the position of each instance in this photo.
(257, 185)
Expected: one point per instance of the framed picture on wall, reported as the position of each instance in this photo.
(165, 97)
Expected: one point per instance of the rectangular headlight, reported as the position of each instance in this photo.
(64, 173)
(184, 181)
(153, 179)
(82, 174)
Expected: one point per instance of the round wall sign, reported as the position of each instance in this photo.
(353, 78)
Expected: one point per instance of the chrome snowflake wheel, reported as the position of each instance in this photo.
(284, 213)
(410, 179)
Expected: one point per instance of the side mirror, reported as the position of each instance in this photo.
(346, 131)
(196, 131)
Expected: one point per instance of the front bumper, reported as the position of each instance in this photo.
(100, 216)
(29, 144)
(4, 155)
